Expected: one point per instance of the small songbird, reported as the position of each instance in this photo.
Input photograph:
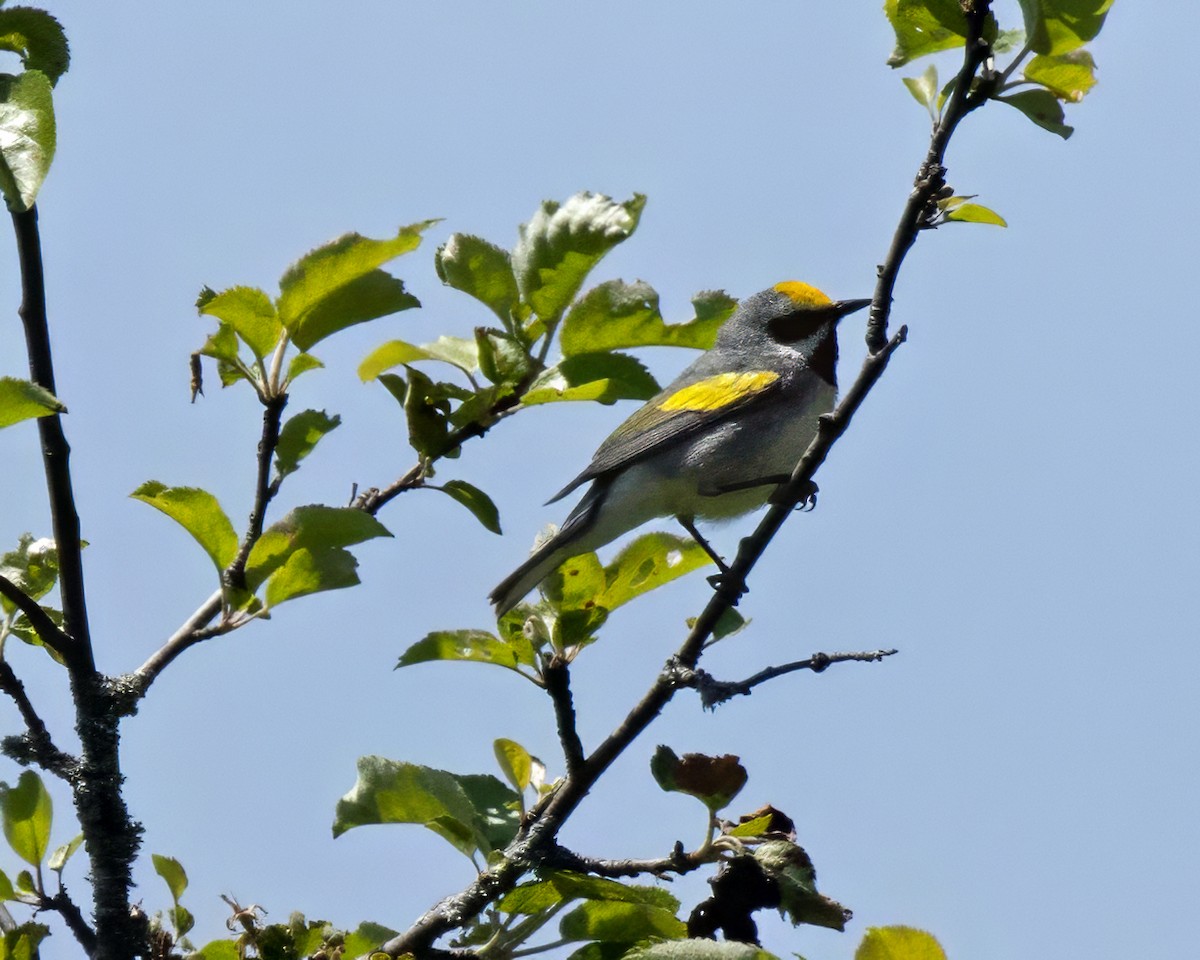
(717, 441)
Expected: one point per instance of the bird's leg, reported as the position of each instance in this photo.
(723, 582)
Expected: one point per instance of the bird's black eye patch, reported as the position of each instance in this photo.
(801, 323)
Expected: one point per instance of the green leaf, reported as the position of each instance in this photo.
(1068, 76)
(1060, 26)
(474, 646)
(925, 89)
(251, 315)
(481, 270)
(1043, 108)
(378, 294)
(729, 623)
(37, 38)
(502, 358)
(57, 860)
(222, 345)
(199, 513)
(181, 919)
(329, 270)
(33, 567)
(699, 949)
(614, 921)
(27, 813)
(563, 242)
(603, 377)
(299, 436)
(471, 812)
(21, 942)
(453, 350)
(898, 943)
(751, 828)
(22, 400)
(923, 27)
(314, 529)
(217, 950)
(27, 136)
(714, 781)
(171, 870)
(7, 891)
(792, 870)
(647, 563)
(975, 213)
(515, 762)
(426, 409)
(475, 500)
(366, 938)
(616, 314)
(301, 363)
(307, 571)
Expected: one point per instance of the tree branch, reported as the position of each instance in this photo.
(714, 692)
(72, 916)
(931, 175)
(43, 626)
(557, 675)
(35, 745)
(264, 489)
(56, 452)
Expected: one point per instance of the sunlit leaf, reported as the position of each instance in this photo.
(299, 436)
(1060, 26)
(563, 242)
(27, 136)
(453, 350)
(199, 513)
(37, 38)
(476, 646)
(475, 500)
(473, 812)
(27, 813)
(699, 949)
(1043, 108)
(603, 377)
(329, 270)
(925, 89)
(314, 529)
(616, 921)
(647, 563)
(250, 314)
(22, 400)
(616, 314)
(1068, 76)
(515, 762)
(923, 27)
(898, 943)
(171, 870)
(57, 860)
(480, 269)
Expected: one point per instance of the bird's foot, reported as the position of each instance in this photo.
(808, 497)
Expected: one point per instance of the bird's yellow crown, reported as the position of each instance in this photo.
(801, 294)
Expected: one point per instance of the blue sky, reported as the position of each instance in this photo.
(1014, 508)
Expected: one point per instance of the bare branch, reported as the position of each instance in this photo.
(35, 745)
(56, 452)
(264, 489)
(557, 676)
(72, 916)
(42, 625)
(714, 692)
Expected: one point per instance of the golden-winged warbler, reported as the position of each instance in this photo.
(717, 441)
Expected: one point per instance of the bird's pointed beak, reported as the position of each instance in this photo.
(846, 307)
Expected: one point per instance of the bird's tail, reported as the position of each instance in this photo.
(546, 559)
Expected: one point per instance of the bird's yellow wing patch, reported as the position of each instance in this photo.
(716, 393)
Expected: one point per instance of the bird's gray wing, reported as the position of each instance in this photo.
(674, 414)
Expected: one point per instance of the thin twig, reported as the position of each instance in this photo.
(46, 629)
(264, 489)
(72, 916)
(714, 692)
(677, 862)
(36, 744)
(56, 452)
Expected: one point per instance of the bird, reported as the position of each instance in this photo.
(716, 441)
